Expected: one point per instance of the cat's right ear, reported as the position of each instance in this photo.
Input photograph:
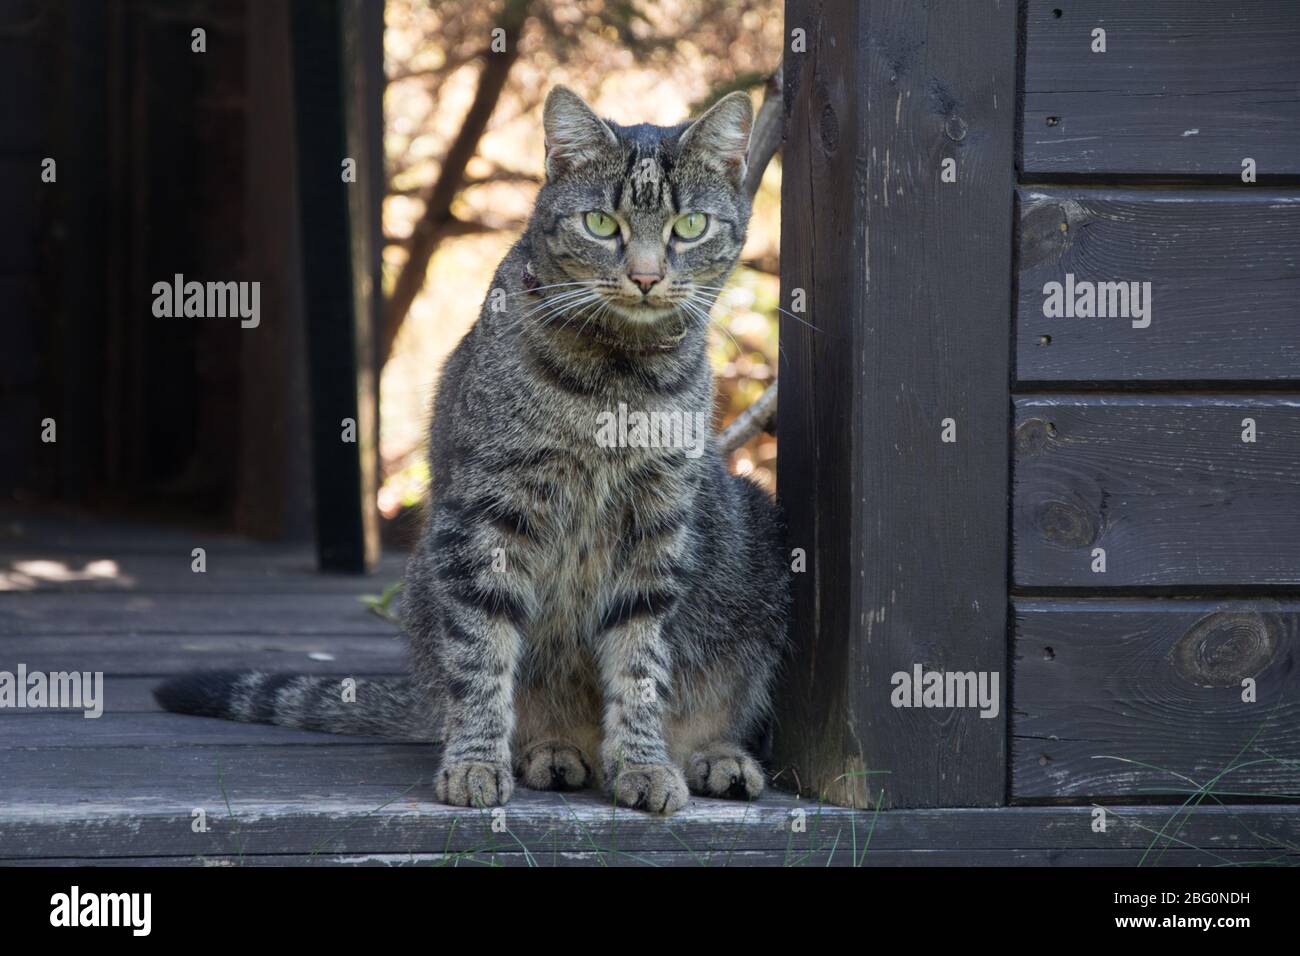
(574, 133)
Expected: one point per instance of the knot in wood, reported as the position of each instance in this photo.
(1066, 524)
(1224, 647)
(1033, 436)
(1041, 237)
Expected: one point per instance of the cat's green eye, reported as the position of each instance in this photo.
(691, 225)
(601, 224)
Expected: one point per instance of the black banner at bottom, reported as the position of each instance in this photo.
(332, 905)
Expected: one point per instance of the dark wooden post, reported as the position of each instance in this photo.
(907, 279)
(339, 233)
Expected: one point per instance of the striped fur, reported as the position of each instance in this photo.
(382, 708)
(578, 614)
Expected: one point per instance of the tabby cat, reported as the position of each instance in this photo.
(583, 611)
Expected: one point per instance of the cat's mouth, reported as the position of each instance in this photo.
(642, 311)
(648, 324)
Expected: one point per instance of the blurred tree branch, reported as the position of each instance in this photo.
(430, 230)
(499, 174)
(448, 66)
(453, 226)
(764, 140)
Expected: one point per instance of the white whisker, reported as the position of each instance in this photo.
(586, 283)
(573, 309)
(561, 301)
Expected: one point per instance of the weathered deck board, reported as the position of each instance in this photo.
(49, 534)
(170, 653)
(1224, 278)
(1183, 88)
(1163, 483)
(134, 695)
(834, 855)
(49, 731)
(228, 572)
(1106, 691)
(366, 800)
(271, 770)
(122, 695)
(40, 553)
(41, 613)
(122, 790)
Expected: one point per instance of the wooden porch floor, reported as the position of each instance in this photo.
(139, 786)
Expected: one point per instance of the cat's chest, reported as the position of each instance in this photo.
(573, 579)
(583, 566)
(583, 558)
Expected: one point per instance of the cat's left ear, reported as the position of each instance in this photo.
(720, 138)
(574, 133)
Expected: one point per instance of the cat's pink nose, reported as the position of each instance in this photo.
(645, 280)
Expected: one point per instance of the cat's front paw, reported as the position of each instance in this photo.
(725, 770)
(554, 766)
(656, 787)
(474, 784)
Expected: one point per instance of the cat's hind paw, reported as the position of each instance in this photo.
(554, 766)
(724, 770)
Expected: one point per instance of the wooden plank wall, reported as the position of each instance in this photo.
(1156, 493)
(1108, 688)
(1222, 263)
(907, 286)
(1184, 88)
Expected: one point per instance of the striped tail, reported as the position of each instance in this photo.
(381, 708)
